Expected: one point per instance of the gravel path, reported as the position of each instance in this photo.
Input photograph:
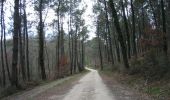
(88, 87)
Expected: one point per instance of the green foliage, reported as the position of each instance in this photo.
(61, 6)
(44, 4)
(153, 90)
(91, 57)
(8, 91)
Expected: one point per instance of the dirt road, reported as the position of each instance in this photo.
(88, 87)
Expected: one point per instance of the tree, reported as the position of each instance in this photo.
(127, 30)
(79, 23)
(21, 47)
(59, 35)
(2, 49)
(168, 20)
(105, 32)
(165, 45)
(15, 45)
(133, 29)
(120, 36)
(60, 7)
(5, 47)
(27, 39)
(83, 37)
(41, 41)
(99, 46)
(109, 33)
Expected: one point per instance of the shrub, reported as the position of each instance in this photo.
(152, 67)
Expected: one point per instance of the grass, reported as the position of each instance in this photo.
(153, 90)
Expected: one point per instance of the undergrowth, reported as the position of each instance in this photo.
(149, 74)
(152, 66)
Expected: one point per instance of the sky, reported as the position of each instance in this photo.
(88, 16)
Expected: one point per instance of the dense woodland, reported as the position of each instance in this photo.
(28, 57)
(133, 33)
(131, 36)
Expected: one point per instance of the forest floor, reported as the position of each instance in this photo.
(135, 87)
(122, 91)
(91, 86)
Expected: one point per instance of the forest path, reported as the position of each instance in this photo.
(88, 87)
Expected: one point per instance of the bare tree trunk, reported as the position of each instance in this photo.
(48, 61)
(41, 43)
(70, 39)
(109, 36)
(2, 49)
(82, 43)
(168, 20)
(75, 50)
(165, 44)
(120, 36)
(15, 45)
(70, 50)
(117, 50)
(79, 58)
(5, 51)
(62, 42)
(99, 45)
(107, 47)
(127, 30)
(27, 40)
(58, 41)
(70, 54)
(72, 44)
(22, 61)
(133, 30)
(143, 19)
(154, 15)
